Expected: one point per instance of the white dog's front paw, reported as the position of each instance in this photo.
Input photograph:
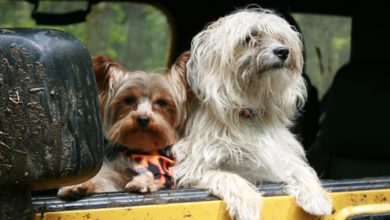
(245, 205)
(241, 198)
(315, 203)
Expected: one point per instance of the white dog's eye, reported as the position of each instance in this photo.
(247, 40)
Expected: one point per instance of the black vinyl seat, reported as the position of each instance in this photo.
(354, 135)
(354, 138)
(307, 123)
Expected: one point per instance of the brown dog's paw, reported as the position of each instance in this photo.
(75, 191)
(143, 184)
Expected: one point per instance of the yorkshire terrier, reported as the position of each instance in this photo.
(140, 115)
(245, 73)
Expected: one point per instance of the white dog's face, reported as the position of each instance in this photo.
(248, 61)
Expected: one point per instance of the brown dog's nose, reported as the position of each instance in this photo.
(143, 121)
(281, 52)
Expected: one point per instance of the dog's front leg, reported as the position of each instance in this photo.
(77, 191)
(106, 180)
(304, 185)
(143, 183)
(242, 200)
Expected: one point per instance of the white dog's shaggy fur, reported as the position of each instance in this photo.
(245, 72)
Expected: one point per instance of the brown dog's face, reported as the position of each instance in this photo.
(138, 109)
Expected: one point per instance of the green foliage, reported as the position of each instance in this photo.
(135, 35)
(341, 43)
(327, 42)
(138, 36)
(157, 26)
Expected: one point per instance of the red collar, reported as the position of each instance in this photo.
(247, 113)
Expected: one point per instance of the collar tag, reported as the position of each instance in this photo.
(247, 113)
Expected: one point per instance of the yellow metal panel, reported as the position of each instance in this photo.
(195, 211)
(275, 208)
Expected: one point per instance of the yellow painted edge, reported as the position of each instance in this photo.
(361, 210)
(274, 208)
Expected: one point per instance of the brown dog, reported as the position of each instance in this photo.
(140, 115)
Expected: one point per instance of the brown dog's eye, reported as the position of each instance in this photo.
(161, 103)
(130, 100)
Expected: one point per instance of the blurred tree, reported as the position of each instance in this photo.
(135, 35)
(327, 46)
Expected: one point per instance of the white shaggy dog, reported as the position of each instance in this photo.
(245, 73)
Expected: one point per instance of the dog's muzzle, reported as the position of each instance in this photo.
(281, 54)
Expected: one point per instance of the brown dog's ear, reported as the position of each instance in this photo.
(107, 72)
(177, 77)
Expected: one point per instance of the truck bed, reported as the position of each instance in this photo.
(353, 199)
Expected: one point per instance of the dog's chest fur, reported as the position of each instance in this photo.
(247, 148)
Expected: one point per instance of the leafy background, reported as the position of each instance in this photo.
(138, 36)
(327, 42)
(135, 35)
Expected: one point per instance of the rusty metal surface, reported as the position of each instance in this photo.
(121, 199)
(15, 204)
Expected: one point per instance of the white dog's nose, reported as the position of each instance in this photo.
(281, 52)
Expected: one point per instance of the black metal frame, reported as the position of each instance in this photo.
(43, 204)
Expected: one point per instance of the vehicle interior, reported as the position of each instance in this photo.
(343, 125)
